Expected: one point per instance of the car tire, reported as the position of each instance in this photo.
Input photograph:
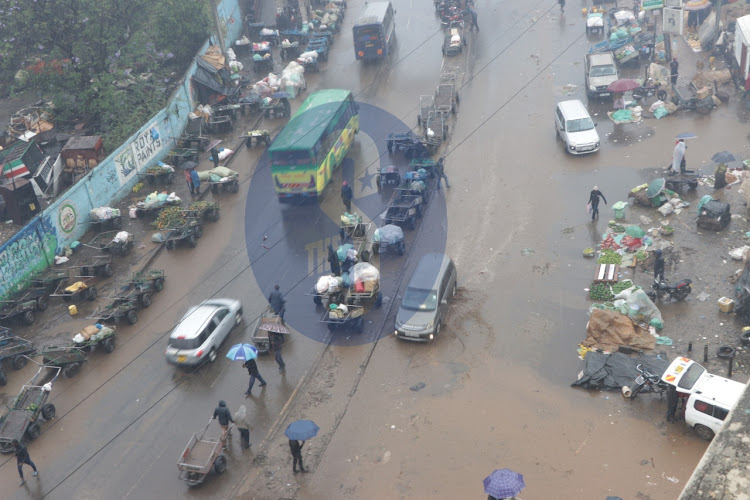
(704, 432)
(238, 317)
(437, 329)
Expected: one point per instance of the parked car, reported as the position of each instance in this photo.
(426, 298)
(600, 72)
(575, 127)
(201, 332)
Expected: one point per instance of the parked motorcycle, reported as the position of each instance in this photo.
(700, 106)
(677, 292)
(653, 89)
(645, 382)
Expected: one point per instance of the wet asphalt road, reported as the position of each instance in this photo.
(497, 383)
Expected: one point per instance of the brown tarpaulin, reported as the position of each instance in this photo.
(214, 57)
(608, 330)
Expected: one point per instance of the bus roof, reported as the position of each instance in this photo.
(374, 13)
(304, 129)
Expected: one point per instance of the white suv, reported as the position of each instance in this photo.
(201, 332)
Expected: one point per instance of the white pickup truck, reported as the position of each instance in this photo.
(710, 398)
(601, 71)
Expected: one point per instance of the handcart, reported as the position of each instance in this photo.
(220, 124)
(114, 221)
(204, 210)
(178, 156)
(48, 280)
(358, 234)
(159, 175)
(194, 136)
(20, 305)
(151, 280)
(335, 295)
(229, 184)
(188, 232)
(229, 110)
(66, 357)
(427, 164)
(404, 210)
(319, 45)
(363, 291)
(96, 265)
(269, 36)
(268, 322)
(122, 307)
(276, 105)
(388, 238)
(257, 136)
(426, 108)
(350, 318)
(454, 40)
(435, 132)
(21, 422)
(200, 456)
(14, 348)
(412, 184)
(110, 242)
(388, 175)
(295, 35)
(290, 51)
(446, 95)
(91, 336)
(82, 289)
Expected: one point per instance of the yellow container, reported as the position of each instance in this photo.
(72, 309)
(726, 304)
(584, 11)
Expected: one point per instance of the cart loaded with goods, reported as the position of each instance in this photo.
(364, 280)
(102, 218)
(388, 237)
(329, 290)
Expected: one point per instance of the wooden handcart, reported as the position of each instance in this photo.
(68, 358)
(201, 455)
(268, 322)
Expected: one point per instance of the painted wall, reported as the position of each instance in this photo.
(33, 248)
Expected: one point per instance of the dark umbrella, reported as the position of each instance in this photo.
(656, 187)
(302, 430)
(686, 135)
(723, 157)
(189, 164)
(503, 483)
(623, 85)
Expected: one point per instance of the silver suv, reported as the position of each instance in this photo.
(200, 333)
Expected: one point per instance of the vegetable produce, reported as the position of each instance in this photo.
(641, 255)
(588, 252)
(620, 286)
(202, 206)
(601, 292)
(156, 169)
(610, 257)
(609, 243)
(170, 217)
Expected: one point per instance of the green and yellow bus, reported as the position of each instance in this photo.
(315, 141)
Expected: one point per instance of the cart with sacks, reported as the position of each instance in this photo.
(343, 316)
(365, 286)
(102, 218)
(388, 238)
(329, 289)
(93, 335)
(114, 242)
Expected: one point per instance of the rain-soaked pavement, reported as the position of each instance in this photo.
(497, 381)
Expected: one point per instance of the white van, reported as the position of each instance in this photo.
(710, 399)
(576, 128)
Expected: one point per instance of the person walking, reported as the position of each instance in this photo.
(276, 300)
(252, 370)
(333, 260)
(659, 267)
(275, 341)
(215, 156)
(562, 5)
(196, 180)
(243, 424)
(440, 168)
(296, 448)
(346, 195)
(189, 180)
(678, 157)
(473, 18)
(594, 201)
(674, 67)
(225, 416)
(22, 457)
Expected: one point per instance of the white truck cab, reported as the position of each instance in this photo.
(710, 398)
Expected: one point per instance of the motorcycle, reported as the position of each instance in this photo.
(680, 291)
(645, 382)
(654, 89)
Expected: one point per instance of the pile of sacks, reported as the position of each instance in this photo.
(103, 213)
(233, 63)
(156, 200)
(337, 311)
(267, 86)
(292, 79)
(328, 284)
(121, 237)
(218, 174)
(308, 57)
(365, 277)
(93, 333)
(202, 111)
(388, 234)
(350, 219)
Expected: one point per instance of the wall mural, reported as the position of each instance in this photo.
(31, 250)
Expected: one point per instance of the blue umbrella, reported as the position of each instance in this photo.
(723, 157)
(302, 430)
(686, 135)
(503, 483)
(242, 352)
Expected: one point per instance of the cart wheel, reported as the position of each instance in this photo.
(117, 222)
(41, 303)
(109, 345)
(72, 369)
(191, 241)
(220, 464)
(170, 244)
(214, 188)
(366, 256)
(146, 299)
(125, 249)
(375, 248)
(48, 411)
(107, 270)
(198, 231)
(131, 317)
(28, 317)
(91, 296)
(170, 178)
(249, 142)
(214, 215)
(379, 299)
(234, 187)
(33, 431)
(317, 300)
(3, 377)
(19, 361)
(67, 297)
(401, 248)
(159, 284)
(662, 95)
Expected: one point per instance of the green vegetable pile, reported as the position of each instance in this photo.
(610, 257)
(617, 228)
(170, 217)
(601, 292)
(641, 255)
(202, 206)
(155, 169)
(622, 285)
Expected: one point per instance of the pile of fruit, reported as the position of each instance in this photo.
(610, 257)
(609, 243)
(201, 206)
(170, 217)
(601, 292)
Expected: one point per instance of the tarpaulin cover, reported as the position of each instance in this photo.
(389, 234)
(608, 330)
(213, 79)
(613, 371)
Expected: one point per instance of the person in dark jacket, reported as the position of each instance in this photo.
(659, 267)
(277, 301)
(22, 457)
(562, 5)
(275, 341)
(440, 170)
(473, 17)
(215, 156)
(196, 180)
(296, 448)
(189, 180)
(674, 67)
(224, 415)
(333, 260)
(594, 200)
(346, 196)
(252, 370)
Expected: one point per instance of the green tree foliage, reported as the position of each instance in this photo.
(107, 62)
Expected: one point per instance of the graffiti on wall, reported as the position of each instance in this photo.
(141, 150)
(67, 216)
(31, 250)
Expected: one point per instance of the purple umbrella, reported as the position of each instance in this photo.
(503, 483)
(623, 85)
